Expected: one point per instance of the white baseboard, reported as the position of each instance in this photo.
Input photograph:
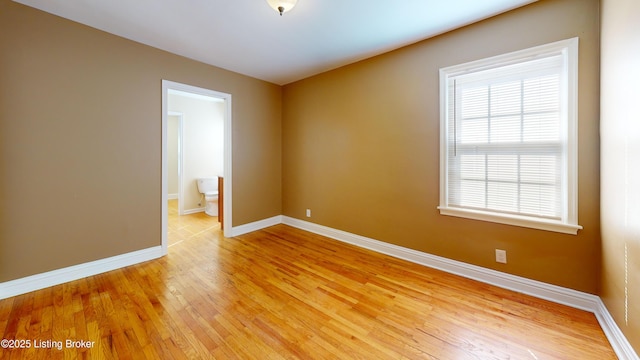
(542, 290)
(618, 341)
(59, 276)
(197, 210)
(569, 297)
(257, 225)
(192, 211)
(172, 196)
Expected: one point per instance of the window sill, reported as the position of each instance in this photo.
(522, 221)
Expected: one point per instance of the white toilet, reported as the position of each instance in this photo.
(209, 188)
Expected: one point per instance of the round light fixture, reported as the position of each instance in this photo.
(282, 6)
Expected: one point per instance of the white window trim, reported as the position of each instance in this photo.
(568, 224)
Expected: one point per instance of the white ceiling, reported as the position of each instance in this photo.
(249, 37)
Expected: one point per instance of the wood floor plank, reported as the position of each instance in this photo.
(283, 293)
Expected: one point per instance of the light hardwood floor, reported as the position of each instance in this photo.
(282, 293)
(183, 228)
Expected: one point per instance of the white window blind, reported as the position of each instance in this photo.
(508, 139)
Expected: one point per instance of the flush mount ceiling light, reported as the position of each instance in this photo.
(282, 6)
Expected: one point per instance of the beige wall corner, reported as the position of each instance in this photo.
(620, 154)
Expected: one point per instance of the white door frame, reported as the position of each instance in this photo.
(227, 193)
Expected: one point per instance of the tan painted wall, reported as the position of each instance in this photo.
(80, 142)
(620, 164)
(360, 148)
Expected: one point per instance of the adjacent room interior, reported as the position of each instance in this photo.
(351, 152)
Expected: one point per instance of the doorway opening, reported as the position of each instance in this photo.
(181, 185)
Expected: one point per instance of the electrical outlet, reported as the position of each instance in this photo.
(308, 212)
(501, 256)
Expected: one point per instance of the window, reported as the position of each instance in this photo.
(509, 138)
